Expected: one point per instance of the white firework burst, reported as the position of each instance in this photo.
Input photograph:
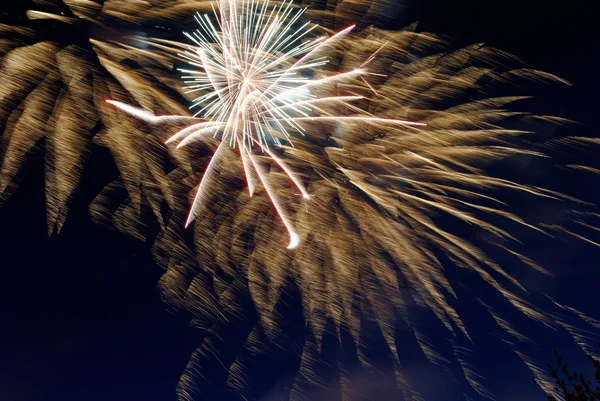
(256, 88)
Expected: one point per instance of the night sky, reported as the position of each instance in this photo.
(82, 320)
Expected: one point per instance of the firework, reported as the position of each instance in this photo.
(255, 90)
(58, 66)
(397, 214)
(373, 231)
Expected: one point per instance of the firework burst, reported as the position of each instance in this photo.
(60, 61)
(398, 213)
(256, 88)
(376, 243)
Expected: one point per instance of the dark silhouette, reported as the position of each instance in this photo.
(574, 386)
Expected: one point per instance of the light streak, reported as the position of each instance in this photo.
(253, 93)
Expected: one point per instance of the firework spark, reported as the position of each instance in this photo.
(256, 90)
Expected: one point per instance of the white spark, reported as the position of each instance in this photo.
(254, 89)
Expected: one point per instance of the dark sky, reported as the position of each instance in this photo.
(81, 319)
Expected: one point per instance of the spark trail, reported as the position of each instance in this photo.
(253, 71)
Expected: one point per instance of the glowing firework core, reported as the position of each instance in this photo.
(253, 91)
